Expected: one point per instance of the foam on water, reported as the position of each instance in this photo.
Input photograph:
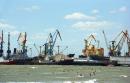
(88, 81)
(123, 76)
(33, 67)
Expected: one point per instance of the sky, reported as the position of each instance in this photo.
(75, 19)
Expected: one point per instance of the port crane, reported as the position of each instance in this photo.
(124, 37)
(1, 44)
(50, 43)
(90, 49)
(116, 45)
(22, 41)
(9, 50)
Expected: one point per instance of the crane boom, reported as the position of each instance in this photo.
(105, 39)
(36, 48)
(57, 34)
(89, 39)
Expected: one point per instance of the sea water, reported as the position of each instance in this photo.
(63, 74)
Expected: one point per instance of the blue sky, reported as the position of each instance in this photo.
(75, 19)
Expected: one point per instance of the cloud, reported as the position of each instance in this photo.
(122, 9)
(79, 16)
(95, 11)
(91, 24)
(39, 36)
(7, 26)
(84, 22)
(32, 8)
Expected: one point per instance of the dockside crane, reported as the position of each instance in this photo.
(49, 45)
(90, 49)
(9, 50)
(117, 44)
(1, 44)
(22, 41)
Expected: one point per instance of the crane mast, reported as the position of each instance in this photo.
(1, 43)
(8, 51)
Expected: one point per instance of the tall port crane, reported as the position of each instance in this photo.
(90, 49)
(115, 49)
(1, 44)
(49, 45)
(116, 45)
(9, 50)
(22, 41)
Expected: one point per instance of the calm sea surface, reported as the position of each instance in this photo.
(64, 74)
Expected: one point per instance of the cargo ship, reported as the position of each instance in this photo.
(92, 53)
(20, 56)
